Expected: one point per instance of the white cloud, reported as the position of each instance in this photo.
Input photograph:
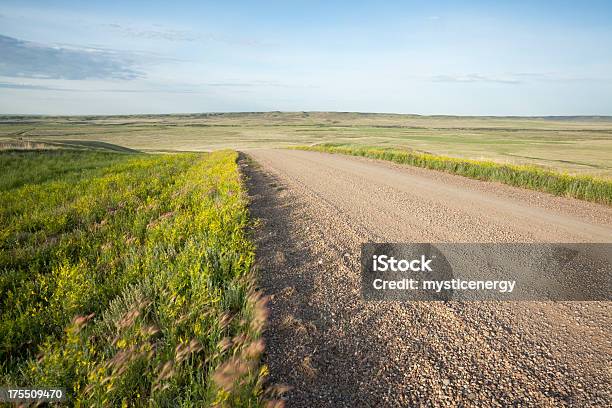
(25, 59)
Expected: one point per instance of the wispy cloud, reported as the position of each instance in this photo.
(158, 32)
(184, 89)
(36, 87)
(25, 59)
(518, 78)
(249, 84)
(559, 77)
(470, 78)
(9, 85)
(153, 33)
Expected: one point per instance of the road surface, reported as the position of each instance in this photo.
(335, 349)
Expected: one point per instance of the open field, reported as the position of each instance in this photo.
(578, 145)
(126, 278)
(129, 278)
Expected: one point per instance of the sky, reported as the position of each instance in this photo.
(528, 58)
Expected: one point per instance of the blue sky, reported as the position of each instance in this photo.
(465, 58)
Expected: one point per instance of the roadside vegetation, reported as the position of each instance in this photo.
(126, 279)
(582, 187)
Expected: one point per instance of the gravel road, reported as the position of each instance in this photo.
(335, 349)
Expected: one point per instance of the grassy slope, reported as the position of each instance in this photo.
(582, 187)
(127, 278)
(576, 145)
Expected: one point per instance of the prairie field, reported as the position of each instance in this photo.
(126, 278)
(128, 251)
(577, 145)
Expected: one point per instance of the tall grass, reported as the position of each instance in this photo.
(582, 187)
(129, 281)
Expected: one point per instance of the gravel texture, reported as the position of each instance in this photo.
(335, 349)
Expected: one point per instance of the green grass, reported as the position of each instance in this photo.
(127, 279)
(581, 187)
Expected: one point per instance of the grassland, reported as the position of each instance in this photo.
(588, 188)
(578, 145)
(126, 279)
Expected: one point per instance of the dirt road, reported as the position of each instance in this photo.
(335, 349)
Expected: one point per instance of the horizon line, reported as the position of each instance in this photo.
(22, 115)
